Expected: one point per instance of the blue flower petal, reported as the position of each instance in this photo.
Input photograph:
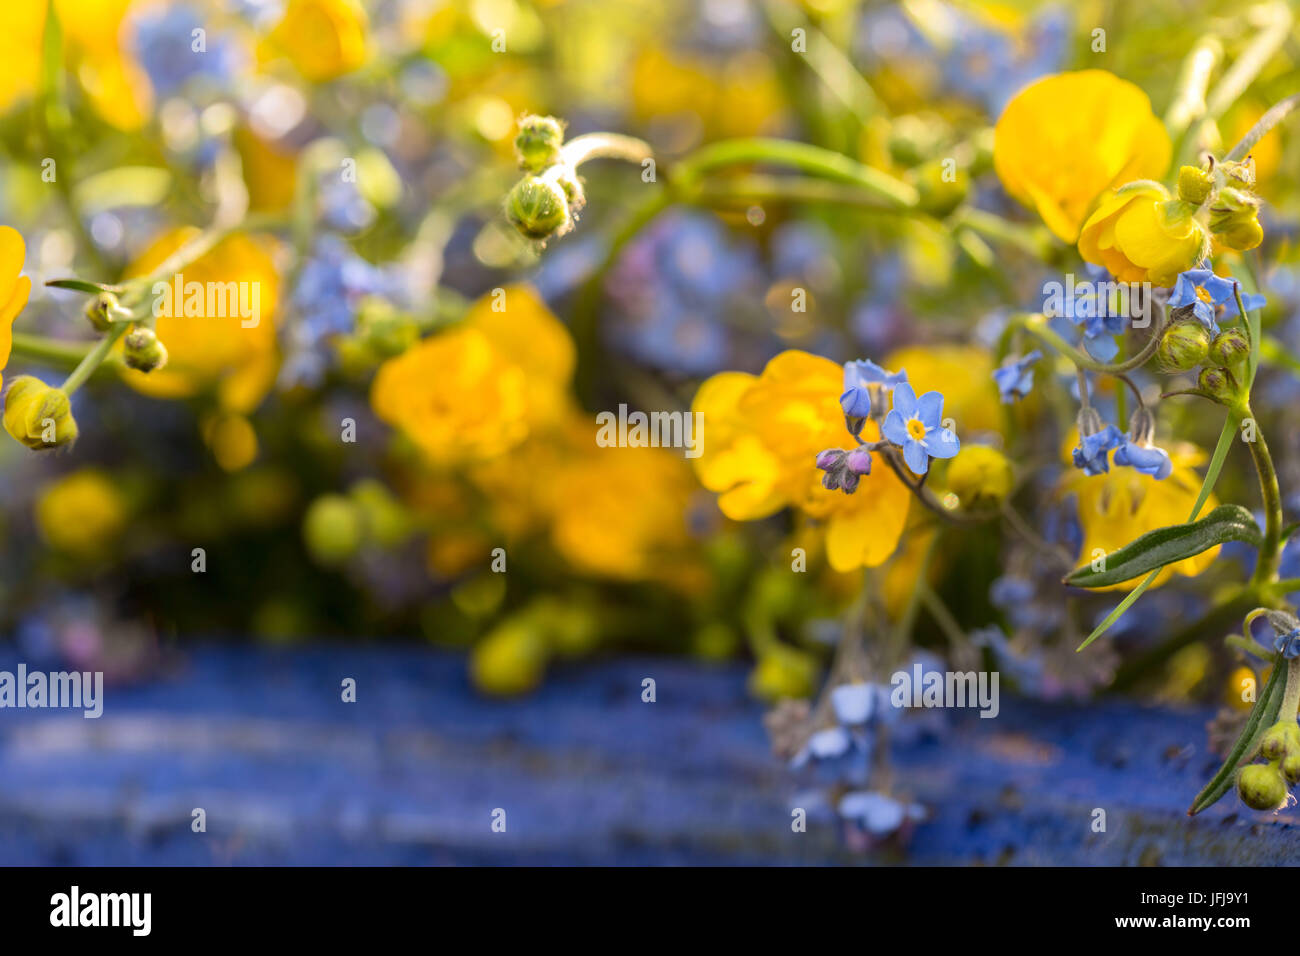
(942, 443)
(894, 428)
(904, 400)
(929, 408)
(1150, 460)
(915, 455)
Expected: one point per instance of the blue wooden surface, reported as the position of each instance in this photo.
(587, 773)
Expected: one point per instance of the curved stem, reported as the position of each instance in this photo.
(1036, 325)
(604, 146)
(1275, 115)
(810, 159)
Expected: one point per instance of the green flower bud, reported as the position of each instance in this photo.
(539, 208)
(1229, 348)
(332, 529)
(1273, 745)
(38, 415)
(1239, 173)
(1194, 184)
(1183, 346)
(1291, 769)
(143, 351)
(384, 329)
(103, 310)
(1261, 787)
(386, 520)
(940, 194)
(538, 142)
(1234, 219)
(1219, 384)
(511, 659)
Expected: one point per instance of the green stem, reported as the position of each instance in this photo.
(1036, 325)
(1291, 697)
(48, 351)
(1270, 550)
(1275, 115)
(604, 146)
(94, 358)
(1033, 240)
(942, 616)
(810, 159)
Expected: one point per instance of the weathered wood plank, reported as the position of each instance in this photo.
(587, 773)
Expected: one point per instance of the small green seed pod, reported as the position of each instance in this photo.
(538, 142)
(1261, 786)
(1219, 384)
(1291, 769)
(143, 351)
(539, 208)
(1183, 346)
(1229, 348)
(1273, 746)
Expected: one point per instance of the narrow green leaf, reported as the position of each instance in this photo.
(1262, 716)
(80, 285)
(1207, 486)
(1163, 546)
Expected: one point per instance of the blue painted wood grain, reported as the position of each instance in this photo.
(587, 773)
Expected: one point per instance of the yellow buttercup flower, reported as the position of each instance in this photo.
(622, 512)
(14, 288)
(216, 320)
(455, 396)
(479, 389)
(82, 513)
(94, 55)
(762, 435)
(1064, 140)
(1122, 504)
(980, 476)
(324, 39)
(1141, 234)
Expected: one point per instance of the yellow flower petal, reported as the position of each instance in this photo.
(1064, 140)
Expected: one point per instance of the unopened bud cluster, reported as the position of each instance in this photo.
(545, 203)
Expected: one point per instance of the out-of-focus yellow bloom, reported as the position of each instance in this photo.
(783, 672)
(762, 435)
(81, 513)
(1116, 507)
(322, 38)
(739, 97)
(1242, 689)
(237, 357)
(232, 440)
(621, 512)
(964, 376)
(455, 395)
(980, 476)
(479, 389)
(1064, 140)
(93, 53)
(511, 659)
(14, 288)
(270, 172)
(1141, 234)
